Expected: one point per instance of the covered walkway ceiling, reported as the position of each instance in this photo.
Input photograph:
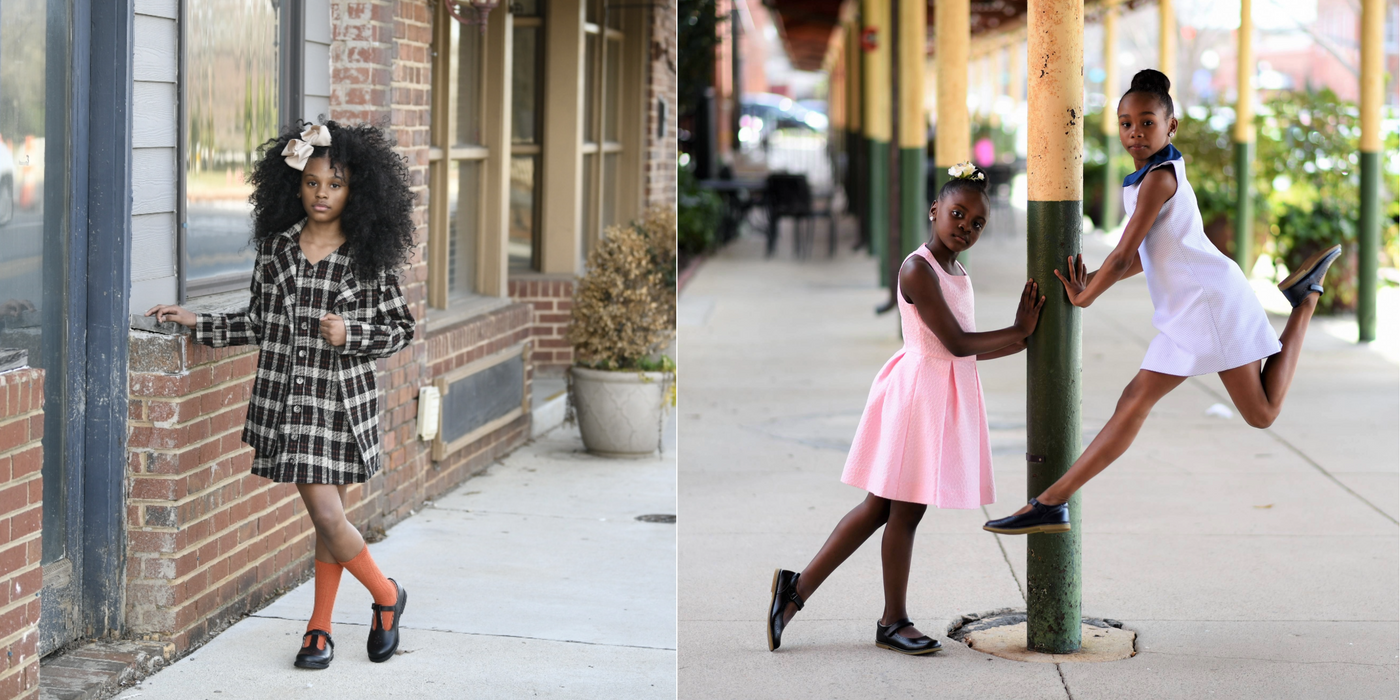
(806, 26)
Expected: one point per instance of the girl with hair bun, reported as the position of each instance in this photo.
(1208, 317)
(923, 437)
(331, 223)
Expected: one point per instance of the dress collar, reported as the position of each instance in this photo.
(1166, 154)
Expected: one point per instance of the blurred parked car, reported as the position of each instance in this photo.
(762, 113)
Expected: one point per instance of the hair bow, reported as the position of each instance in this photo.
(298, 151)
(965, 171)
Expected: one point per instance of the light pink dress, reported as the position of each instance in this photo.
(923, 437)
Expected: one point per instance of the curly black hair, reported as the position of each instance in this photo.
(967, 183)
(378, 216)
(1154, 83)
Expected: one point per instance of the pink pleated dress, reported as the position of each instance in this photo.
(923, 437)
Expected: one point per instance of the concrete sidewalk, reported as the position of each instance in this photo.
(532, 579)
(1251, 563)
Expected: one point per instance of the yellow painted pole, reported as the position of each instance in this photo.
(1108, 211)
(1054, 231)
(1166, 41)
(1372, 96)
(913, 126)
(875, 18)
(952, 25)
(1244, 138)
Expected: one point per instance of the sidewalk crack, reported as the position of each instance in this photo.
(1006, 558)
(486, 634)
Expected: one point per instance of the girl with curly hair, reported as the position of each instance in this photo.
(331, 223)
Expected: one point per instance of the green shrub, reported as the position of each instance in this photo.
(700, 215)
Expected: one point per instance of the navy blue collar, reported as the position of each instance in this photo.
(1162, 156)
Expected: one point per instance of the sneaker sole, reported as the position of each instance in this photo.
(908, 653)
(773, 590)
(1029, 530)
(1306, 267)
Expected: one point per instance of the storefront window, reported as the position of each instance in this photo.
(527, 80)
(602, 146)
(231, 88)
(34, 223)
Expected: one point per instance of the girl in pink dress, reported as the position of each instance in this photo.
(923, 437)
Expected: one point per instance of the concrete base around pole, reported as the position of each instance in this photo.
(1369, 244)
(878, 193)
(1244, 205)
(1003, 633)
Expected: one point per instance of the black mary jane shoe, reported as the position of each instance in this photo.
(888, 637)
(784, 592)
(383, 643)
(1308, 278)
(1040, 518)
(313, 655)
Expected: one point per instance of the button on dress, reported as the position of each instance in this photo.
(316, 444)
(923, 437)
(1207, 315)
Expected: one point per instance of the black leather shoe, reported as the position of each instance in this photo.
(888, 637)
(1308, 278)
(310, 655)
(383, 643)
(1040, 518)
(784, 592)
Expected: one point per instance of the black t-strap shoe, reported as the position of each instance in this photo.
(313, 655)
(1040, 518)
(1308, 277)
(784, 592)
(382, 643)
(888, 637)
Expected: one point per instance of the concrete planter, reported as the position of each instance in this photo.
(619, 413)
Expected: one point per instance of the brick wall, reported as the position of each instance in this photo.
(660, 162)
(21, 515)
(207, 540)
(551, 299)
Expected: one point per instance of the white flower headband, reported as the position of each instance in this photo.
(966, 171)
(298, 151)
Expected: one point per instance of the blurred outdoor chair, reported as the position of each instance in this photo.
(789, 195)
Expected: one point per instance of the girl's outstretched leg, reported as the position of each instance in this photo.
(849, 535)
(1141, 394)
(896, 551)
(1258, 394)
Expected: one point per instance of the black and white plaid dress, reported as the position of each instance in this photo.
(313, 417)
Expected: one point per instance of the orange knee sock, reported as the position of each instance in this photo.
(327, 583)
(363, 568)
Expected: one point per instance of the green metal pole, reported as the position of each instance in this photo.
(1244, 205)
(1369, 238)
(1054, 232)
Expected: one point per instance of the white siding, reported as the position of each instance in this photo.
(154, 162)
(316, 71)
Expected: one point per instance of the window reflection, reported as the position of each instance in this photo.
(522, 212)
(231, 89)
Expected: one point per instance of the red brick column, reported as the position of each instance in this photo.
(661, 155)
(551, 299)
(21, 516)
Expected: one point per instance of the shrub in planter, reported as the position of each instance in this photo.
(623, 317)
